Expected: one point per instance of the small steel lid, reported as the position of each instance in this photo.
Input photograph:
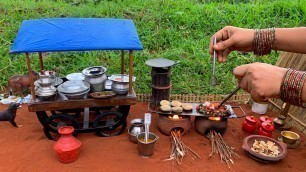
(161, 62)
(73, 87)
(94, 71)
(75, 77)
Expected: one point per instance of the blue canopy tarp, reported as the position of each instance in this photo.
(76, 34)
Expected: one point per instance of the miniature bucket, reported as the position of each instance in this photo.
(146, 149)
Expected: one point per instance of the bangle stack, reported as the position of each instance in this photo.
(264, 41)
(292, 86)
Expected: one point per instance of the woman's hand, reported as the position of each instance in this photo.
(261, 80)
(229, 39)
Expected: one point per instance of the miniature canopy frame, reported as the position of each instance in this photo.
(76, 34)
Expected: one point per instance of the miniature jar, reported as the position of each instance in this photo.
(279, 121)
(264, 119)
(67, 147)
(250, 124)
(266, 129)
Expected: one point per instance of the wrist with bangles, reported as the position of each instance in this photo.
(292, 87)
(264, 41)
(293, 82)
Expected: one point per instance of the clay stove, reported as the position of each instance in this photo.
(169, 122)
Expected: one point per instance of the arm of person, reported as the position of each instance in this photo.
(240, 39)
(291, 39)
(265, 81)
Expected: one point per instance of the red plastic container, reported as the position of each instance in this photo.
(250, 124)
(264, 119)
(266, 129)
(67, 147)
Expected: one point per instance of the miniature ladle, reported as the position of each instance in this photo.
(147, 126)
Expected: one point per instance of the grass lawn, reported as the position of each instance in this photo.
(175, 29)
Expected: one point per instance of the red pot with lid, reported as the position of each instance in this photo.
(266, 129)
(262, 119)
(250, 124)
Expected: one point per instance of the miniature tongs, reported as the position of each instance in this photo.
(213, 79)
(229, 96)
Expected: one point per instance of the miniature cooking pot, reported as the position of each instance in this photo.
(96, 77)
(120, 83)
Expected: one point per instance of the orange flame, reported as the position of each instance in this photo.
(214, 118)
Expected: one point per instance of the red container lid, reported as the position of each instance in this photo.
(265, 119)
(251, 119)
(268, 126)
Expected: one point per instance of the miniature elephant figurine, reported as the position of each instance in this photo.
(20, 83)
(10, 114)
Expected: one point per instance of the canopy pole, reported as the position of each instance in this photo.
(130, 72)
(122, 62)
(41, 64)
(31, 76)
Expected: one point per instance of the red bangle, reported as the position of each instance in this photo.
(292, 86)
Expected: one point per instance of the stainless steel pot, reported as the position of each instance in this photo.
(120, 88)
(120, 83)
(96, 77)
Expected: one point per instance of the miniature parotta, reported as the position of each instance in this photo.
(164, 102)
(176, 103)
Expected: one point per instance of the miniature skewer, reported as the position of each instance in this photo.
(179, 149)
(229, 96)
(213, 79)
(226, 153)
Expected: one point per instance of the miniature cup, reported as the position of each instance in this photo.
(146, 149)
(260, 108)
(289, 137)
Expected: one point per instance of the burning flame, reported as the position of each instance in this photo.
(174, 117)
(214, 118)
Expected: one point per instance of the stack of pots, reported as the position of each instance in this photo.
(44, 89)
(96, 77)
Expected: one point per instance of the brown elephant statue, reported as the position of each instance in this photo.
(20, 83)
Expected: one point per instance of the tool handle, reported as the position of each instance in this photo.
(229, 96)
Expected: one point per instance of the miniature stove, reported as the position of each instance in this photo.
(161, 71)
(167, 122)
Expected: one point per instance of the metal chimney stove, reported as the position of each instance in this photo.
(161, 72)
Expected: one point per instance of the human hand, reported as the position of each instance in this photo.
(229, 39)
(261, 80)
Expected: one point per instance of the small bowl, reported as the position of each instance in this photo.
(46, 97)
(249, 141)
(290, 137)
(45, 82)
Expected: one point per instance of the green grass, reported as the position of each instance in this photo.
(173, 29)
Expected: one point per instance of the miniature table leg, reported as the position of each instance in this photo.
(42, 117)
(86, 118)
